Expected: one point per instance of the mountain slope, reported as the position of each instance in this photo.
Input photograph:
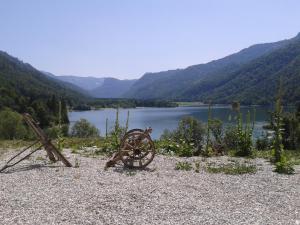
(25, 89)
(100, 87)
(187, 84)
(112, 88)
(257, 82)
(67, 83)
(85, 83)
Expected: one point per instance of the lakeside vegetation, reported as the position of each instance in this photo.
(27, 90)
(280, 144)
(122, 103)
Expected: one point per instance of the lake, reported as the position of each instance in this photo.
(165, 118)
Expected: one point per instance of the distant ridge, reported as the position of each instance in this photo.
(228, 79)
(105, 87)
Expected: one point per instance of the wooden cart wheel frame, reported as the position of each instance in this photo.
(137, 149)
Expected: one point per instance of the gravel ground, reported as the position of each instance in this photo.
(36, 192)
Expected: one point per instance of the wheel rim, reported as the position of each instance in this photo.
(137, 150)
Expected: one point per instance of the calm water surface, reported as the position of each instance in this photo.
(165, 118)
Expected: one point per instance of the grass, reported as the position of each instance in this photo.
(186, 166)
(293, 156)
(131, 173)
(77, 163)
(284, 168)
(40, 158)
(197, 167)
(232, 169)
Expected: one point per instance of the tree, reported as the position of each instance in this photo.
(84, 129)
(11, 125)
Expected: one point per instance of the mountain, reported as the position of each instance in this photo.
(258, 81)
(85, 83)
(25, 89)
(205, 81)
(112, 88)
(105, 87)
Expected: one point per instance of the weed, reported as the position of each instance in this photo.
(283, 166)
(197, 167)
(77, 163)
(130, 173)
(40, 158)
(183, 166)
(232, 169)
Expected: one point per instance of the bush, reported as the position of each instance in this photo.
(283, 166)
(186, 140)
(11, 125)
(263, 143)
(55, 131)
(179, 148)
(191, 130)
(216, 128)
(230, 138)
(84, 129)
(239, 138)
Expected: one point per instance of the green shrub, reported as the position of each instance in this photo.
(230, 138)
(239, 137)
(191, 130)
(179, 148)
(263, 143)
(232, 169)
(186, 140)
(216, 128)
(197, 167)
(12, 125)
(55, 131)
(283, 166)
(84, 129)
(183, 166)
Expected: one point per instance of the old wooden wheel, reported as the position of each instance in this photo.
(137, 149)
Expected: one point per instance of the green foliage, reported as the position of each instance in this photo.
(11, 125)
(117, 133)
(214, 140)
(283, 166)
(130, 173)
(264, 142)
(179, 147)
(84, 129)
(216, 129)
(124, 103)
(232, 169)
(277, 115)
(207, 151)
(291, 130)
(56, 131)
(244, 136)
(25, 89)
(191, 131)
(239, 137)
(197, 167)
(183, 166)
(187, 139)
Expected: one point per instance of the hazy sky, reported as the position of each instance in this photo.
(126, 38)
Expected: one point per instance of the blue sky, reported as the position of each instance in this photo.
(126, 38)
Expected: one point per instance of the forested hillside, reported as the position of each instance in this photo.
(112, 88)
(224, 80)
(25, 89)
(256, 82)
